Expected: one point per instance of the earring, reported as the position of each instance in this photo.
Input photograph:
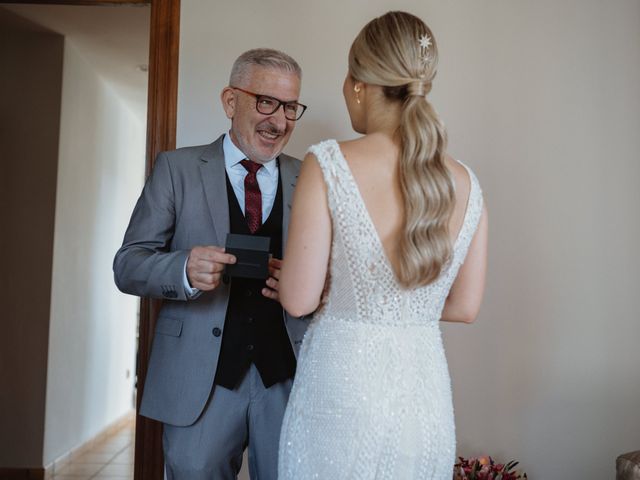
(357, 90)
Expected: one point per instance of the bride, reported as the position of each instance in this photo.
(388, 236)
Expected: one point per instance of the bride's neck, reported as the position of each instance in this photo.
(383, 117)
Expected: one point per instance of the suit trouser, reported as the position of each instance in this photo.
(212, 448)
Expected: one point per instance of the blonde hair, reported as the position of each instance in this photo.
(387, 52)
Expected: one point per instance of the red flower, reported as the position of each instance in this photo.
(485, 468)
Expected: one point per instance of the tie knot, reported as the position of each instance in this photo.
(252, 167)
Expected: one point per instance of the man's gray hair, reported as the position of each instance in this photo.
(263, 57)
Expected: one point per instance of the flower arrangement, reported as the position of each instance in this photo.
(485, 468)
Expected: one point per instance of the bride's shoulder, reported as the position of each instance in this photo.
(456, 168)
(464, 178)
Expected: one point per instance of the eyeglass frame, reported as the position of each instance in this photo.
(280, 103)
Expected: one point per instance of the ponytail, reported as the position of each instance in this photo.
(428, 193)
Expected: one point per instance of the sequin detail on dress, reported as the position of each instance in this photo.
(372, 394)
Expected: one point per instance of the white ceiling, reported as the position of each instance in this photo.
(114, 40)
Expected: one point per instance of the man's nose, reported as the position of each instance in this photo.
(278, 116)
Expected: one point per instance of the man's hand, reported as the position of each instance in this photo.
(273, 282)
(205, 266)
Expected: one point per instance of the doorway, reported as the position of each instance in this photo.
(63, 339)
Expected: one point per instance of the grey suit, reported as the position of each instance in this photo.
(184, 204)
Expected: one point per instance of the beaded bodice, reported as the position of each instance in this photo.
(363, 285)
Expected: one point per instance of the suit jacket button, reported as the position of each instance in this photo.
(216, 332)
(249, 347)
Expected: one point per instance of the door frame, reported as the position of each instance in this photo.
(162, 103)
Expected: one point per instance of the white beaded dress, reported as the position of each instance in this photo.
(372, 394)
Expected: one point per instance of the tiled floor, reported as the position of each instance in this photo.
(111, 459)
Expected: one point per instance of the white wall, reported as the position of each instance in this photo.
(542, 99)
(91, 365)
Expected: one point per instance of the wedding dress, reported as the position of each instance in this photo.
(372, 394)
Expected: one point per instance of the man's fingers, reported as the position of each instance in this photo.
(212, 253)
(224, 258)
(275, 262)
(217, 257)
(205, 265)
(208, 266)
(274, 267)
(271, 291)
(206, 281)
(272, 294)
(275, 273)
(203, 271)
(204, 287)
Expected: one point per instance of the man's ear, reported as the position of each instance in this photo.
(228, 98)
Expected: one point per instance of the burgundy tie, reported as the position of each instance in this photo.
(252, 196)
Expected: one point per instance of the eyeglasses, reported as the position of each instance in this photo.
(267, 105)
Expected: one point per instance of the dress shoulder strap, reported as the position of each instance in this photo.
(333, 168)
(471, 219)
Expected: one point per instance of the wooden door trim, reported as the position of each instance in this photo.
(161, 135)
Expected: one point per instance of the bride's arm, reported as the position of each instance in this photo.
(465, 297)
(306, 257)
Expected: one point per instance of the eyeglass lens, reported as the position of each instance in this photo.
(268, 105)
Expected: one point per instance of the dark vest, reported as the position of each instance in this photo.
(254, 329)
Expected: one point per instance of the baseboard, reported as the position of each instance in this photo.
(49, 470)
(22, 473)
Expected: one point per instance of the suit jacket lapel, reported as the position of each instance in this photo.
(212, 169)
(289, 174)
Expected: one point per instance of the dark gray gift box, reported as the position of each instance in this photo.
(252, 256)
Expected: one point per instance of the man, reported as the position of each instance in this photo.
(222, 360)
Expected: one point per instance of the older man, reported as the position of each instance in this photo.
(223, 354)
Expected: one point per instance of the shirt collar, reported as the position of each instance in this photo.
(233, 156)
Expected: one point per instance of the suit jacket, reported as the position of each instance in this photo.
(184, 203)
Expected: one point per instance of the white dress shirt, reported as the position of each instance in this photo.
(267, 178)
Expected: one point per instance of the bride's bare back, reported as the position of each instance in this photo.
(373, 161)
